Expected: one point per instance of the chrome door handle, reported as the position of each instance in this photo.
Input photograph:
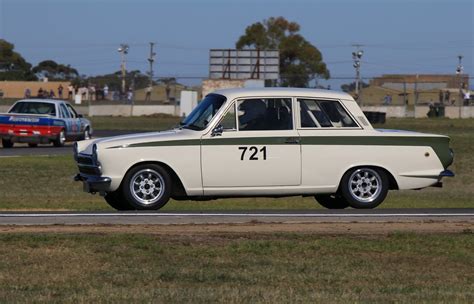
(292, 140)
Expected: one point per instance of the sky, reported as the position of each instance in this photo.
(397, 36)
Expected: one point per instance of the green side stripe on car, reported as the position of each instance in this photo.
(439, 144)
(168, 143)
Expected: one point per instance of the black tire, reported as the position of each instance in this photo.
(364, 187)
(331, 201)
(147, 187)
(31, 145)
(115, 200)
(60, 139)
(6, 143)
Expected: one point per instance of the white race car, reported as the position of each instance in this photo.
(264, 142)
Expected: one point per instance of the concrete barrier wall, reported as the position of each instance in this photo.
(467, 112)
(140, 110)
(147, 110)
(451, 112)
(391, 111)
(128, 110)
(421, 111)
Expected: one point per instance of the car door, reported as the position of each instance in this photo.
(258, 147)
(76, 120)
(71, 129)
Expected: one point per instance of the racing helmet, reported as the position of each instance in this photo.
(253, 110)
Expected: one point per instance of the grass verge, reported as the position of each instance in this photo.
(236, 268)
(46, 182)
(142, 123)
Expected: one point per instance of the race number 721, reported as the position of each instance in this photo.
(254, 153)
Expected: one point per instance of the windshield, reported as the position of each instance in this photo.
(43, 108)
(200, 117)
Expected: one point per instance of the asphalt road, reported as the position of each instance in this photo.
(302, 216)
(48, 150)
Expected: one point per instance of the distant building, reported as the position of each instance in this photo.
(421, 88)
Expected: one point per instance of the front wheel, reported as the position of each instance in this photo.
(60, 139)
(147, 187)
(86, 135)
(364, 188)
(116, 200)
(331, 201)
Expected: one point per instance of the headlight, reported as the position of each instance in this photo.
(94, 155)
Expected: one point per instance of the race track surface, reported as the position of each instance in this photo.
(218, 217)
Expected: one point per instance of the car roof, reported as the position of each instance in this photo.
(281, 92)
(45, 100)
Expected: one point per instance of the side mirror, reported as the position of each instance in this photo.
(80, 116)
(217, 131)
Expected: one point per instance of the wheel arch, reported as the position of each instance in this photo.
(392, 182)
(177, 187)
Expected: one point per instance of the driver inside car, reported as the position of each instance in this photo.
(253, 115)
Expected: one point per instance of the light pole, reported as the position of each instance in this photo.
(356, 56)
(123, 50)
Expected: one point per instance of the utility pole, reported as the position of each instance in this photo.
(123, 50)
(356, 56)
(459, 71)
(151, 59)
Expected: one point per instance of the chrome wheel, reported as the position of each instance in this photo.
(365, 185)
(87, 135)
(147, 186)
(62, 138)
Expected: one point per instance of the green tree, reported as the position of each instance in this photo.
(350, 87)
(134, 79)
(300, 61)
(12, 65)
(55, 71)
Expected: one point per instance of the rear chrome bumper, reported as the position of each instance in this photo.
(93, 184)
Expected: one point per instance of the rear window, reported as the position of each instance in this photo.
(40, 108)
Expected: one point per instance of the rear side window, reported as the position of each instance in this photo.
(324, 114)
(64, 112)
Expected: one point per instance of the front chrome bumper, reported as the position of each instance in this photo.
(93, 184)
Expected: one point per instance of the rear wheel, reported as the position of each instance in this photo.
(6, 143)
(147, 187)
(115, 200)
(60, 139)
(364, 188)
(331, 201)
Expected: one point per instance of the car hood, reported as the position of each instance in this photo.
(143, 139)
